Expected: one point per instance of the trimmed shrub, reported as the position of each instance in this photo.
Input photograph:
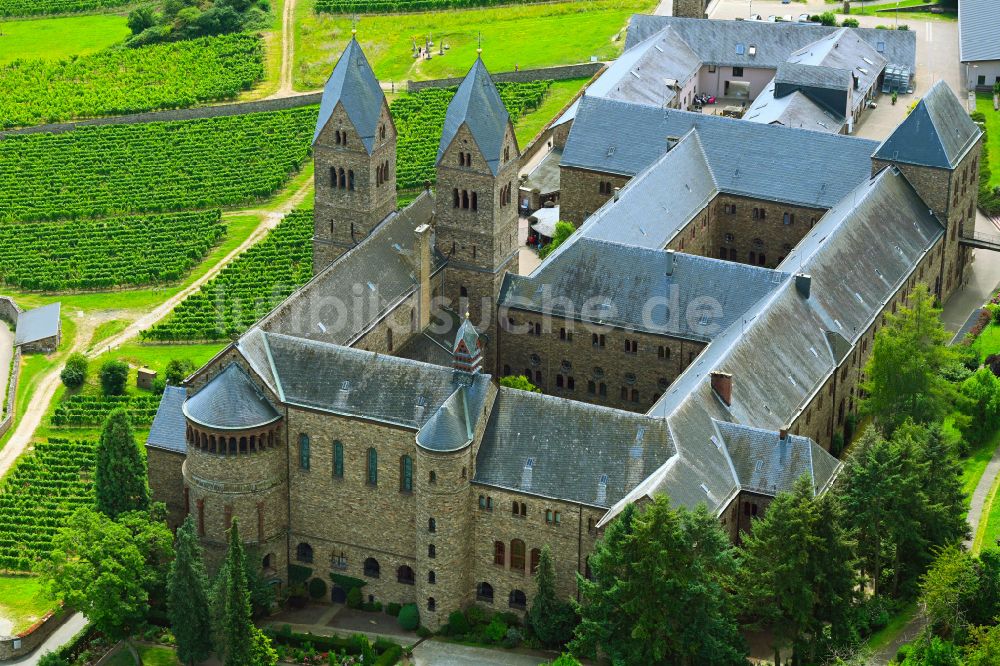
(393, 609)
(409, 617)
(298, 574)
(75, 373)
(317, 588)
(476, 616)
(850, 23)
(423, 631)
(354, 597)
(457, 624)
(496, 631)
(513, 638)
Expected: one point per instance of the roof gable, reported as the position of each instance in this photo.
(37, 324)
(478, 106)
(353, 85)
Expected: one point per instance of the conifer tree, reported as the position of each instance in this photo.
(245, 644)
(188, 598)
(551, 618)
(120, 481)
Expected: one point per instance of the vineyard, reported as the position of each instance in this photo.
(39, 7)
(122, 81)
(104, 170)
(37, 497)
(387, 6)
(246, 289)
(419, 120)
(86, 254)
(91, 410)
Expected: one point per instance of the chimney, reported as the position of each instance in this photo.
(602, 489)
(783, 434)
(803, 283)
(634, 467)
(526, 474)
(422, 258)
(722, 384)
(617, 190)
(670, 262)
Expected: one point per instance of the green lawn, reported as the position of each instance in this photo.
(558, 96)
(984, 103)
(870, 9)
(887, 634)
(975, 464)
(151, 656)
(988, 342)
(22, 602)
(57, 38)
(526, 35)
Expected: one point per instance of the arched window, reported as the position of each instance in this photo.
(232, 445)
(388, 339)
(338, 137)
(431, 577)
(267, 562)
(381, 131)
(484, 592)
(431, 551)
(372, 467)
(343, 178)
(405, 474)
(431, 525)
(454, 198)
(536, 555)
(404, 575)
(350, 179)
(303, 451)
(465, 198)
(431, 604)
(338, 459)
(304, 553)
(372, 568)
(498, 553)
(461, 159)
(475, 202)
(517, 555)
(432, 477)
(518, 600)
(333, 177)
(513, 507)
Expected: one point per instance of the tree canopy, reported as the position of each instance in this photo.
(120, 480)
(187, 602)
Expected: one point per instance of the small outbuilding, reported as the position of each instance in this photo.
(39, 330)
(144, 378)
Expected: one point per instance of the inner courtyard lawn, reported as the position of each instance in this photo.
(22, 603)
(152, 655)
(524, 35)
(57, 38)
(984, 103)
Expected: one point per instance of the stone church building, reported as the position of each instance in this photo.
(358, 430)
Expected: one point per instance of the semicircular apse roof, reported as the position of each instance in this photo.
(230, 401)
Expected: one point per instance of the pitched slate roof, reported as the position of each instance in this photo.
(169, 428)
(477, 105)
(717, 42)
(354, 85)
(37, 324)
(846, 51)
(352, 382)
(978, 30)
(794, 110)
(770, 162)
(230, 401)
(657, 291)
(466, 333)
(765, 462)
(346, 298)
(578, 452)
(451, 427)
(814, 76)
(937, 133)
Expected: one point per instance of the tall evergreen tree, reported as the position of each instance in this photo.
(551, 618)
(670, 576)
(190, 619)
(796, 574)
(120, 481)
(904, 370)
(245, 644)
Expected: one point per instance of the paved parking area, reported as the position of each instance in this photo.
(438, 653)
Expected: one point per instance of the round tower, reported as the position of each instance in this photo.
(236, 468)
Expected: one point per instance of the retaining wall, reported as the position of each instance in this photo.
(9, 312)
(558, 73)
(12, 647)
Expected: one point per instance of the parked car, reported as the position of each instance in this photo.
(755, 17)
(803, 18)
(772, 18)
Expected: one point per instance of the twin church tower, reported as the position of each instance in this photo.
(475, 201)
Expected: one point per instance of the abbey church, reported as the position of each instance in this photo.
(358, 431)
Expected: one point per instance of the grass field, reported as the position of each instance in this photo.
(871, 10)
(151, 656)
(984, 103)
(56, 38)
(22, 603)
(988, 341)
(526, 35)
(558, 96)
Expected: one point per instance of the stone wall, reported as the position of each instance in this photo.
(27, 641)
(558, 73)
(689, 8)
(166, 482)
(235, 109)
(582, 192)
(9, 312)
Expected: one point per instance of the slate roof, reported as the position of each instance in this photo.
(794, 110)
(169, 428)
(37, 324)
(451, 427)
(545, 176)
(352, 382)
(466, 333)
(477, 104)
(230, 401)
(937, 133)
(978, 30)
(572, 446)
(656, 291)
(717, 41)
(770, 162)
(843, 50)
(816, 76)
(344, 300)
(354, 85)
(766, 463)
